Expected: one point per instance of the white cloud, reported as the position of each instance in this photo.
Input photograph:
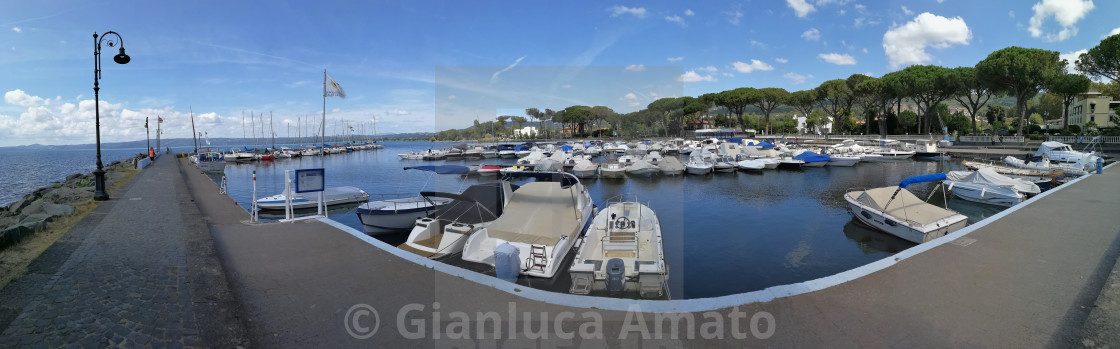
(17, 29)
(758, 44)
(451, 97)
(635, 67)
(864, 50)
(1011, 13)
(675, 59)
(812, 34)
(781, 60)
(710, 69)
(1113, 32)
(676, 19)
(837, 58)
(728, 74)
(940, 1)
(1066, 12)
(906, 44)
(692, 76)
(566, 86)
(630, 99)
(494, 78)
(1071, 59)
(752, 66)
(639, 12)
(796, 78)
(860, 7)
(906, 11)
(734, 17)
(689, 13)
(800, 7)
(869, 74)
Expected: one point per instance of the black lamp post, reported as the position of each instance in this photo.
(99, 193)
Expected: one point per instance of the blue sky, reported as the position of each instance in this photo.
(425, 66)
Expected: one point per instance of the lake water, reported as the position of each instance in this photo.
(25, 170)
(724, 233)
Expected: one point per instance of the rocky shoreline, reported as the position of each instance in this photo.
(31, 213)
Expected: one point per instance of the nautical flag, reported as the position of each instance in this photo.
(333, 88)
(160, 119)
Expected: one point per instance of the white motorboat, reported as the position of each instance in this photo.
(654, 157)
(642, 167)
(724, 164)
(813, 159)
(986, 186)
(491, 152)
(698, 166)
(532, 159)
(870, 157)
(445, 231)
(585, 169)
(209, 160)
(513, 169)
(411, 156)
(238, 155)
(751, 165)
(390, 215)
(542, 220)
(311, 151)
(790, 163)
(621, 253)
(893, 154)
(927, 149)
(671, 166)
(1061, 152)
(843, 160)
(331, 196)
(612, 170)
(396, 212)
(898, 212)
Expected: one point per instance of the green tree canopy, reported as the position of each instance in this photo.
(1068, 86)
(1022, 72)
(767, 99)
(1102, 60)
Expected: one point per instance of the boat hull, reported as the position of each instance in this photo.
(842, 161)
(900, 228)
(985, 194)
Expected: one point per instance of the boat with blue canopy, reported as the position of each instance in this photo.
(897, 211)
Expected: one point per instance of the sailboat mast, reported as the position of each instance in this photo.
(323, 125)
(193, 132)
(270, 130)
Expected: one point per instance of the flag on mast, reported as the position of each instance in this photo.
(160, 119)
(334, 89)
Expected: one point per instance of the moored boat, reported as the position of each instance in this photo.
(331, 196)
(621, 253)
(445, 231)
(898, 212)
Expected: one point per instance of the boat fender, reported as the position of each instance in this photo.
(951, 184)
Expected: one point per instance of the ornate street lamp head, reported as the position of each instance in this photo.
(121, 58)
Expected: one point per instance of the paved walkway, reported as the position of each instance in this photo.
(1028, 280)
(138, 271)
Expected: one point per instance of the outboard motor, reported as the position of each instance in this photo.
(507, 262)
(616, 275)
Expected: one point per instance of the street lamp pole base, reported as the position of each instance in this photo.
(99, 193)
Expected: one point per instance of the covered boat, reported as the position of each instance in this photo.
(621, 253)
(898, 212)
(812, 159)
(670, 166)
(542, 220)
(585, 169)
(988, 187)
(445, 231)
(641, 167)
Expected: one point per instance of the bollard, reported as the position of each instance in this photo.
(1100, 165)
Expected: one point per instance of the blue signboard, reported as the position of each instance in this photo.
(309, 180)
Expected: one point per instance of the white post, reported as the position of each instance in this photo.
(254, 213)
(322, 205)
(288, 195)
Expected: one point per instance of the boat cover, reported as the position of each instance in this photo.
(670, 164)
(584, 165)
(762, 144)
(539, 213)
(735, 140)
(923, 178)
(566, 148)
(905, 205)
(442, 169)
(549, 165)
(566, 180)
(808, 156)
(463, 208)
(988, 176)
(521, 147)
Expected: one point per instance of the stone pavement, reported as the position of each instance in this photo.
(138, 271)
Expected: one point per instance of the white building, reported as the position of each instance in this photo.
(527, 131)
(824, 128)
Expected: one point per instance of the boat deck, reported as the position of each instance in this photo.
(640, 244)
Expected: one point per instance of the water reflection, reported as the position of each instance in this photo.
(872, 241)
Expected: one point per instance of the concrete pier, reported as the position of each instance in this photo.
(1033, 278)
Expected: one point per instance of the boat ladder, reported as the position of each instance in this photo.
(538, 257)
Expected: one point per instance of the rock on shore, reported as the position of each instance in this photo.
(31, 214)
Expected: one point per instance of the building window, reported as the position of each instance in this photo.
(1092, 108)
(1092, 118)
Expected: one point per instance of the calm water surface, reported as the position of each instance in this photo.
(724, 233)
(25, 170)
